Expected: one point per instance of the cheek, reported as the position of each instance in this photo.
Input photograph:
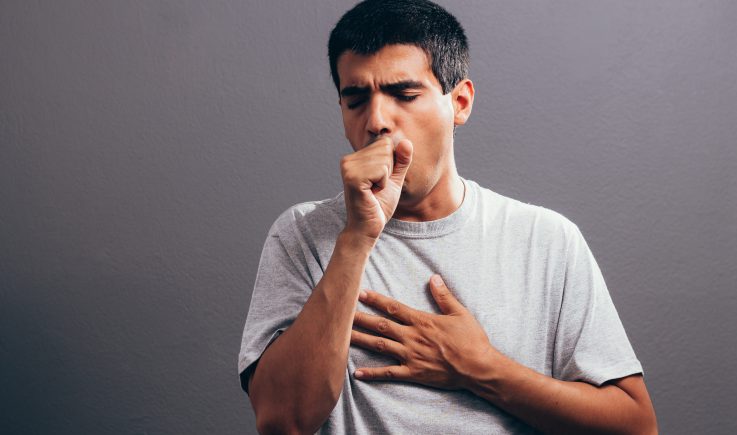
(436, 122)
(446, 112)
(436, 118)
(434, 129)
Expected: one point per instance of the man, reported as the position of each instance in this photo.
(515, 332)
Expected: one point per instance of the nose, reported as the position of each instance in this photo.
(379, 118)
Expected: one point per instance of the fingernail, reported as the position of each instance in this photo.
(437, 280)
(362, 295)
(358, 374)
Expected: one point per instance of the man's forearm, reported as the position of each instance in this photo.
(299, 378)
(555, 406)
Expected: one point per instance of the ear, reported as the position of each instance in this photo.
(462, 96)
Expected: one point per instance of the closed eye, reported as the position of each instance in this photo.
(405, 98)
(356, 104)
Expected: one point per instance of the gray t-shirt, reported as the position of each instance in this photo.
(524, 271)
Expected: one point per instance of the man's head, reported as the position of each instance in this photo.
(401, 67)
(373, 24)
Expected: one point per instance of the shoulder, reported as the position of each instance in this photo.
(316, 218)
(533, 220)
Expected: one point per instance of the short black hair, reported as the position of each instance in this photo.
(373, 24)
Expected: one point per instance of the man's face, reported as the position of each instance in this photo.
(394, 93)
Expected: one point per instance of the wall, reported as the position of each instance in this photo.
(147, 146)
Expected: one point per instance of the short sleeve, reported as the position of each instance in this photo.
(590, 342)
(282, 287)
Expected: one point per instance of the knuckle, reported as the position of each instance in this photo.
(425, 323)
(347, 176)
(380, 345)
(383, 326)
(388, 373)
(393, 308)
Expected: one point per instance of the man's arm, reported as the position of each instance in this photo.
(452, 351)
(621, 406)
(300, 376)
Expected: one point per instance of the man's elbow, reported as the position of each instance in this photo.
(650, 421)
(642, 422)
(278, 423)
(276, 426)
(283, 415)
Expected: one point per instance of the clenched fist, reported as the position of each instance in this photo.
(372, 183)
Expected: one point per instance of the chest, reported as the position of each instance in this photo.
(514, 295)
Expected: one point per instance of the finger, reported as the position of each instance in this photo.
(443, 297)
(364, 173)
(379, 141)
(381, 163)
(402, 159)
(394, 308)
(378, 169)
(389, 373)
(378, 344)
(378, 324)
(378, 184)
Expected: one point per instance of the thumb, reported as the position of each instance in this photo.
(402, 159)
(443, 297)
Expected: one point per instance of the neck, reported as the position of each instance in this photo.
(440, 201)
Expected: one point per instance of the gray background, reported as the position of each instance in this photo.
(147, 146)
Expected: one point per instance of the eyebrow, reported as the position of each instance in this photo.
(389, 87)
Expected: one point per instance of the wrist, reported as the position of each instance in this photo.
(486, 379)
(356, 241)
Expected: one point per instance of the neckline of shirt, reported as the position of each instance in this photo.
(429, 229)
